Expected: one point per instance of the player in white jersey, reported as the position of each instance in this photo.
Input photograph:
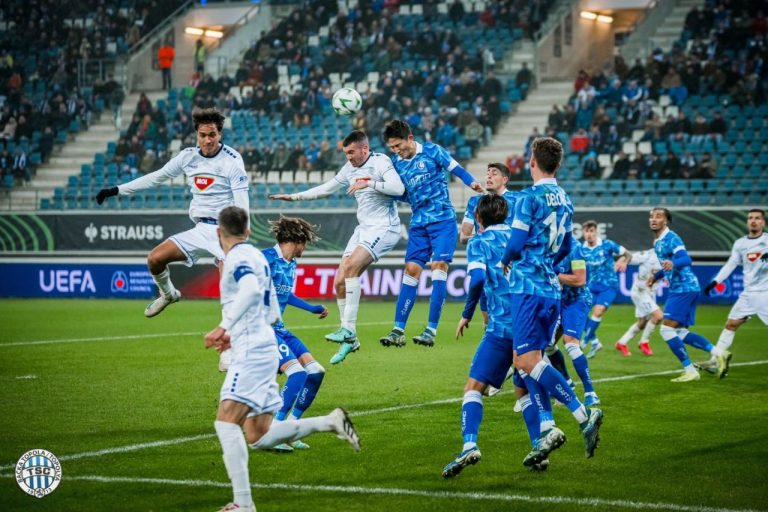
(250, 395)
(217, 179)
(751, 252)
(647, 312)
(375, 184)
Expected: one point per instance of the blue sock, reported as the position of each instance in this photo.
(437, 299)
(471, 416)
(677, 348)
(698, 341)
(531, 418)
(291, 389)
(541, 401)
(558, 361)
(405, 301)
(581, 365)
(556, 385)
(592, 325)
(315, 375)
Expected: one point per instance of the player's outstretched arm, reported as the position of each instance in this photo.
(467, 178)
(105, 193)
(324, 190)
(296, 302)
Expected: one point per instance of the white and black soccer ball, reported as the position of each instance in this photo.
(346, 101)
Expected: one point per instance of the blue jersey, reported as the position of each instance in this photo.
(469, 213)
(545, 211)
(601, 274)
(426, 188)
(484, 251)
(575, 260)
(681, 279)
(283, 276)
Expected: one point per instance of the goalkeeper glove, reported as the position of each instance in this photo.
(105, 193)
(711, 286)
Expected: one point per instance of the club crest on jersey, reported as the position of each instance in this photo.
(203, 182)
(421, 165)
(753, 256)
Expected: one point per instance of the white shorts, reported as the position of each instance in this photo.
(645, 303)
(377, 242)
(252, 382)
(200, 241)
(749, 304)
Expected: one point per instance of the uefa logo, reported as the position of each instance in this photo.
(38, 473)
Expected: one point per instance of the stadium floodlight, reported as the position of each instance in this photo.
(194, 31)
(217, 34)
(604, 19)
(588, 15)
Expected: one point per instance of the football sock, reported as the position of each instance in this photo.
(649, 327)
(315, 375)
(726, 339)
(581, 365)
(631, 333)
(557, 360)
(676, 345)
(163, 282)
(349, 318)
(541, 401)
(437, 299)
(342, 303)
(592, 324)
(471, 416)
(293, 385)
(405, 301)
(700, 342)
(289, 431)
(531, 417)
(556, 385)
(235, 460)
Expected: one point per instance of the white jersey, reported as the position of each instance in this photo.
(752, 255)
(214, 181)
(648, 263)
(250, 330)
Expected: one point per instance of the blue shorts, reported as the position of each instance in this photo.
(681, 307)
(603, 296)
(493, 358)
(289, 346)
(535, 322)
(432, 242)
(573, 318)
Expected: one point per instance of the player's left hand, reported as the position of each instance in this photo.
(477, 187)
(650, 281)
(667, 265)
(282, 197)
(359, 184)
(463, 324)
(620, 265)
(323, 314)
(216, 338)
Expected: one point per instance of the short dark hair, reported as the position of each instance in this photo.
(293, 229)
(355, 136)
(548, 153)
(233, 220)
(589, 224)
(396, 129)
(208, 116)
(503, 169)
(667, 213)
(757, 210)
(491, 209)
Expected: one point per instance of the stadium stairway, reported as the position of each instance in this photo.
(669, 30)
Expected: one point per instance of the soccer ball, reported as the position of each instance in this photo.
(346, 101)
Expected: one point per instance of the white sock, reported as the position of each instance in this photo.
(163, 282)
(726, 339)
(289, 431)
(342, 303)
(235, 460)
(631, 333)
(716, 351)
(649, 327)
(349, 318)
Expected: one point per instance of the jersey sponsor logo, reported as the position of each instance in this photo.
(203, 182)
(753, 256)
(38, 473)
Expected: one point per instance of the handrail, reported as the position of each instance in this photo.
(557, 13)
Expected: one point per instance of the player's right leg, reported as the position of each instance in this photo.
(235, 453)
(157, 262)
(442, 240)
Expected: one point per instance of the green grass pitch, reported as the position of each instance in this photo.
(93, 381)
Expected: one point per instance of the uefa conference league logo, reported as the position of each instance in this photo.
(38, 473)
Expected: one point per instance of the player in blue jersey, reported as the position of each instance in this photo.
(432, 232)
(493, 356)
(303, 374)
(604, 259)
(575, 302)
(496, 180)
(541, 239)
(680, 308)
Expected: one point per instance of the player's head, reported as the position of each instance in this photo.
(209, 123)
(756, 221)
(233, 227)
(399, 138)
(660, 218)
(491, 209)
(546, 155)
(293, 234)
(497, 177)
(356, 147)
(589, 228)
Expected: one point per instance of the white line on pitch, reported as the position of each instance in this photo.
(180, 440)
(393, 491)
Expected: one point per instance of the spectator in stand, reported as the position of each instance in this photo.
(689, 168)
(582, 79)
(651, 167)
(580, 142)
(516, 165)
(596, 139)
(533, 136)
(620, 167)
(21, 166)
(6, 164)
(46, 143)
(199, 56)
(556, 117)
(670, 169)
(591, 168)
(492, 85)
(325, 157)
(699, 129)
(636, 166)
(585, 97)
(251, 157)
(672, 84)
(707, 167)
(165, 56)
(653, 127)
(456, 12)
(612, 143)
(523, 80)
(717, 128)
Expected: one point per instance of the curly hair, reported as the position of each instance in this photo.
(293, 229)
